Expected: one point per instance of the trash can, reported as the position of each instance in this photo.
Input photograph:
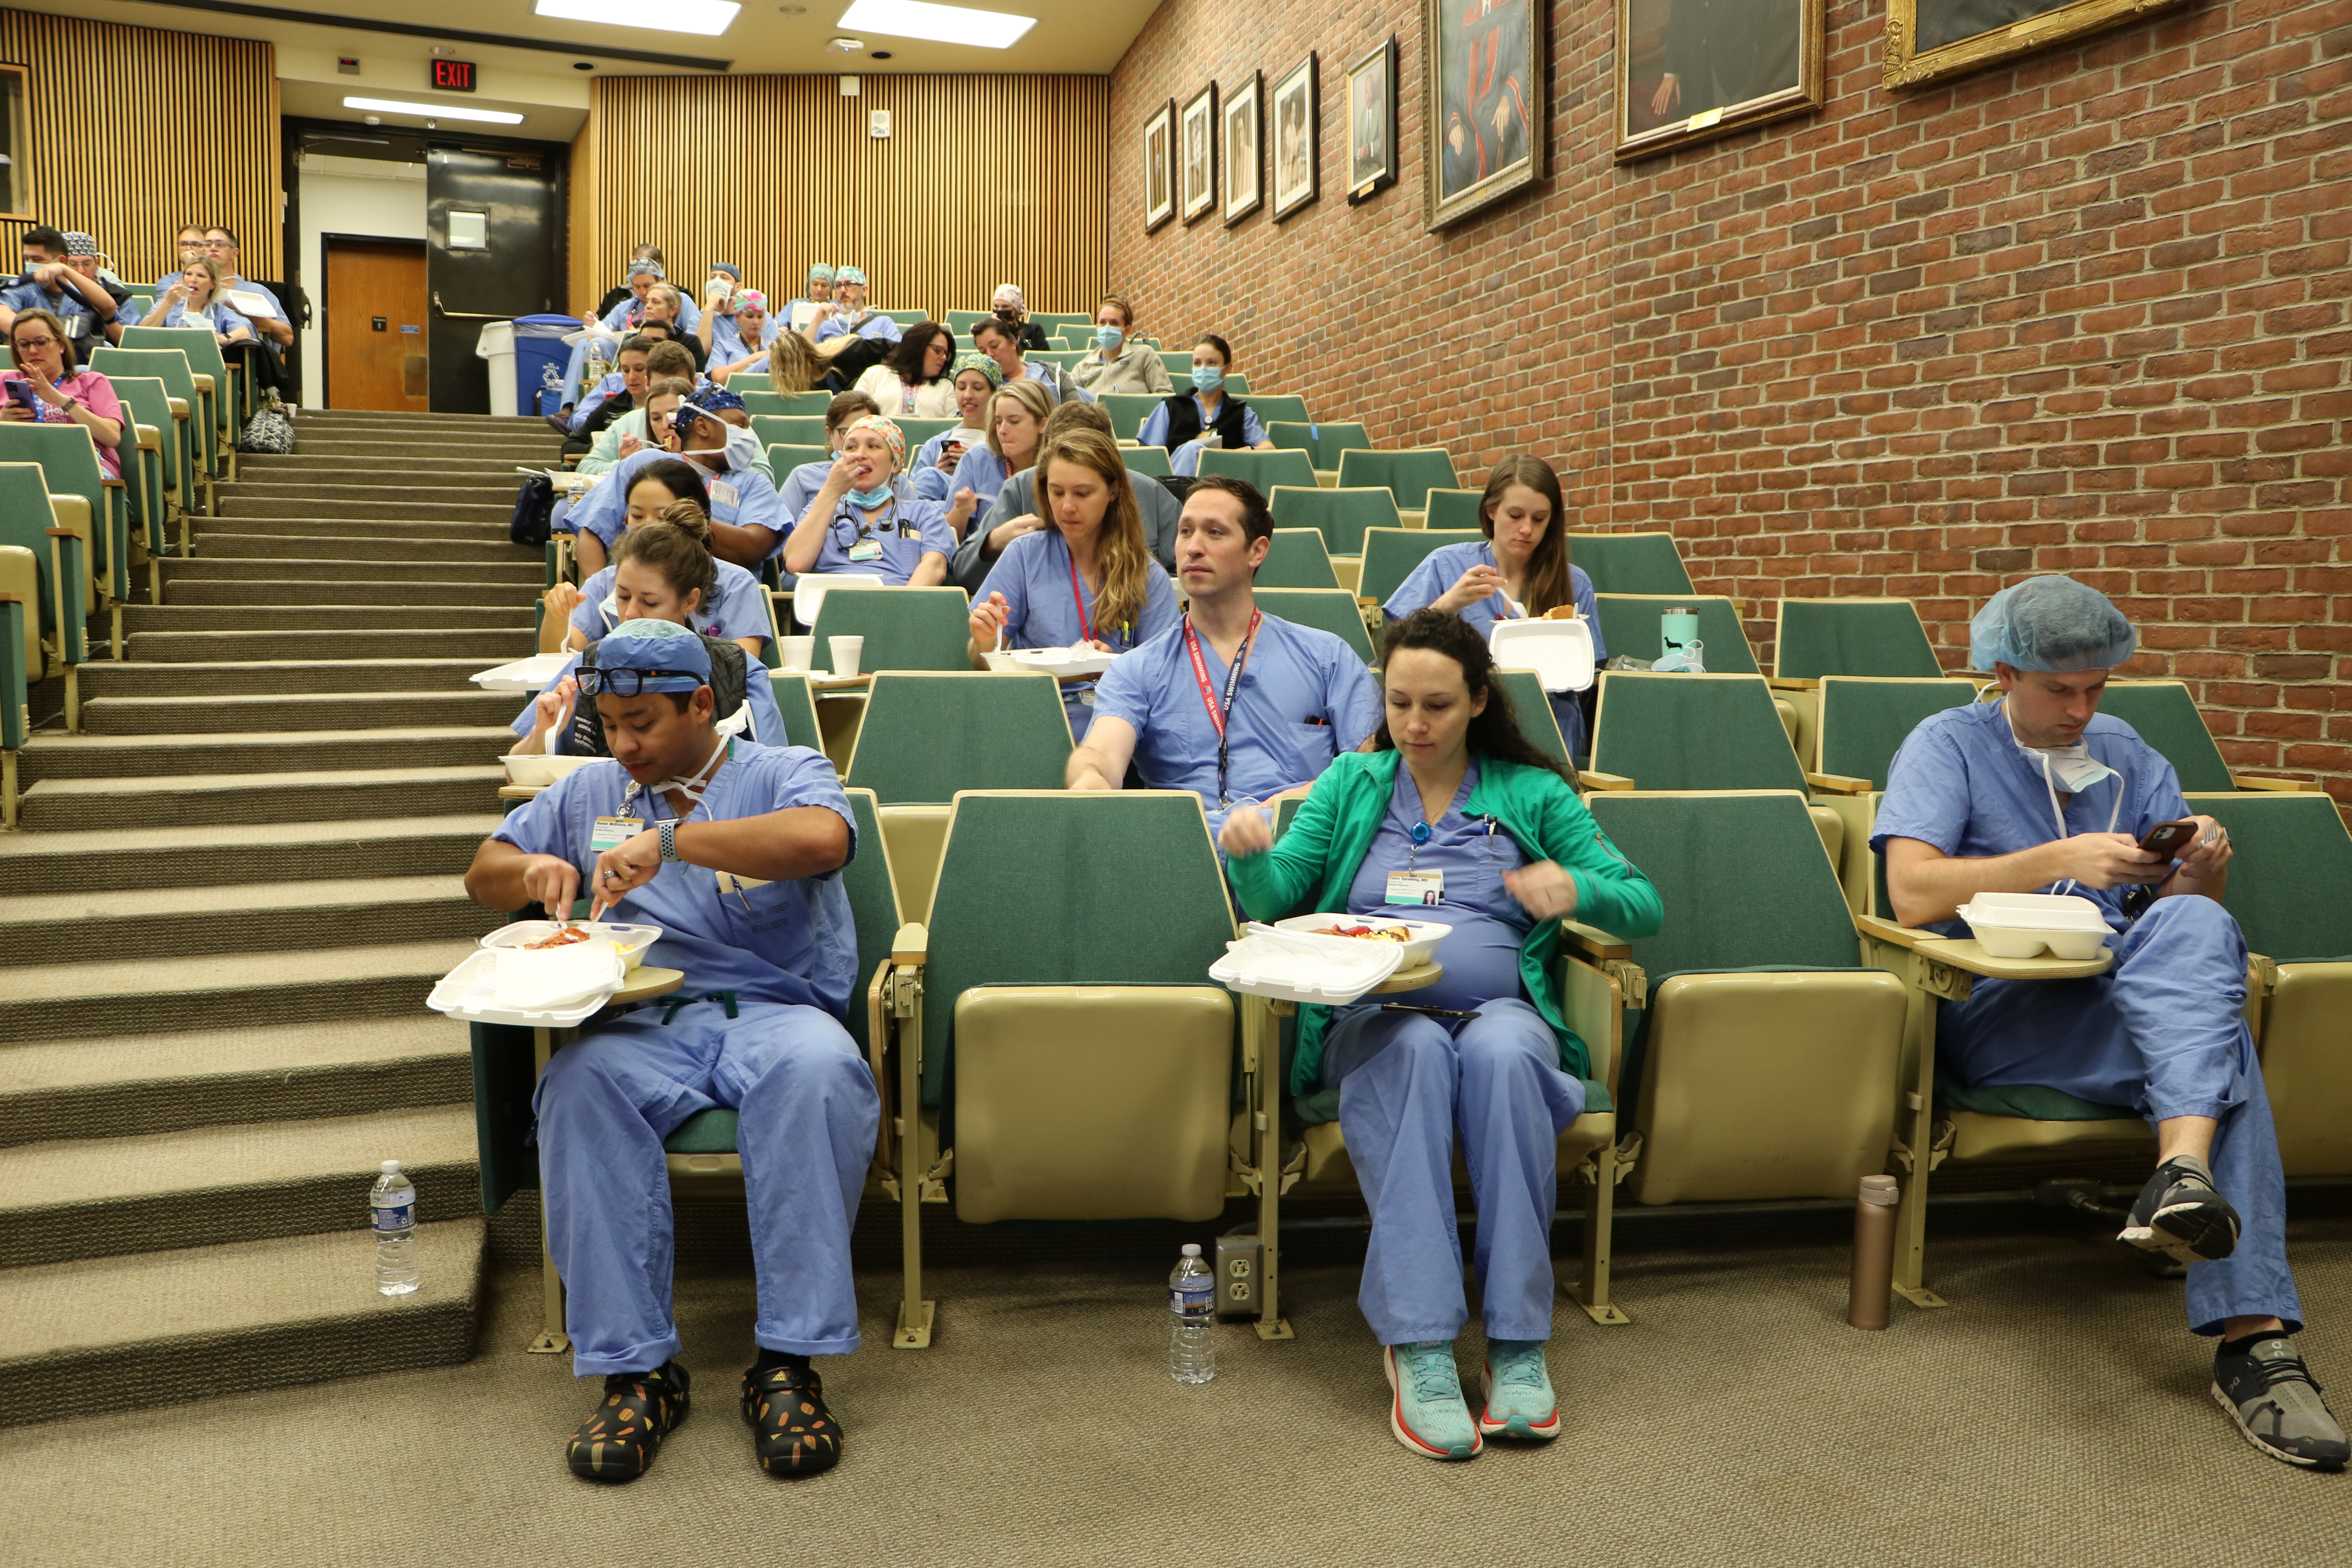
(540, 357)
(497, 345)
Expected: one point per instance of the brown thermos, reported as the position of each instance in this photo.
(1872, 1289)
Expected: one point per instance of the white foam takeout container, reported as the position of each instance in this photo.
(808, 594)
(538, 772)
(1559, 652)
(1425, 935)
(2020, 925)
(523, 675)
(632, 940)
(482, 989)
(1060, 660)
(1293, 967)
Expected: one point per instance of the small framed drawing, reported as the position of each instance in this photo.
(1930, 39)
(1160, 167)
(1692, 70)
(1297, 140)
(1197, 134)
(1244, 160)
(1372, 123)
(1483, 105)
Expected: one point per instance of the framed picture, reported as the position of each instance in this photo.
(1483, 104)
(1160, 167)
(1930, 39)
(1372, 123)
(1297, 140)
(1691, 70)
(1245, 159)
(1197, 132)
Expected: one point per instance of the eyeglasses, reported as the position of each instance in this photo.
(37, 343)
(628, 683)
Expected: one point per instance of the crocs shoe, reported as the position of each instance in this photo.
(1427, 1413)
(1520, 1402)
(785, 1407)
(2269, 1393)
(618, 1443)
(2178, 1214)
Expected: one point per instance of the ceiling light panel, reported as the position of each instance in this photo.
(703, 18)
(433, 111)
(937, 23)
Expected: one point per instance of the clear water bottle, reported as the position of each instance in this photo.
(1191, 1310)
(394, 1204)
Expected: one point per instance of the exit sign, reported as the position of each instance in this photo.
(454, 76)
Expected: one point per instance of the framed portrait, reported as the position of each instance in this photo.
(1297, 140)
(1484, 102)
(1930, 39)
(1160, 167)
(1691, 70)
(1244, 156)
(1372, 123)
(1196, 131)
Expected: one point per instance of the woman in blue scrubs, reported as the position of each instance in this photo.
(1088, 578)
(1016, 423)
(1523, 570)
(1453, 817)
(935, 460)
(864, 520)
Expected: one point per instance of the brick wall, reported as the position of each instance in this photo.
(2086, 311)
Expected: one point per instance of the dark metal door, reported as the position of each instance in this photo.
(493, 251)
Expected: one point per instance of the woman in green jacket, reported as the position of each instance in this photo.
(1456, 814)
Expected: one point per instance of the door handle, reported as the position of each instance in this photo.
(465, 315)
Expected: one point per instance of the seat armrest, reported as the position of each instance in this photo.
(1955, 952)
(1591, 780)
(1838, 783)
(911, 945)
(179, 406)
(1591, 942)
(1793, 683)
(2277, 786)
(112, 484)
(201, 380)
(150, 438)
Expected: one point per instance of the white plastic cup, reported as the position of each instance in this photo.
(846, 652)
(798, 651)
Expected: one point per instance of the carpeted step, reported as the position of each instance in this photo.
(186, 922)
(332, 496)
(343, 590)
(420, 529)
(415, 419)
(260, 677)
(111, 1086)
(389, 447)
(519, 571)
(490, 648)
(132, 859)
(51, 754)
(355, 617)
(452, 467)
(203, 801)
(135, 996)
(386, 505)
(347, 711)
(165, 1328)
(331, 540)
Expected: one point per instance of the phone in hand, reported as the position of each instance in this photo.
(21, 394)
(2169, 838)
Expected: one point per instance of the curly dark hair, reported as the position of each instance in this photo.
(906, 360)
(1494, 732)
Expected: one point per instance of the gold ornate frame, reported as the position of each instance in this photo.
(1907, 67)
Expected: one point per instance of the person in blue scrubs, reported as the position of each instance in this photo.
(798, 488)
(1187, 423)
(849, 314)
(1454, 818)
(864, 521)
(1267, 704)
(717, 598)
(627, 314)
(739, 328)
(1086, 579)
(1016, 427)
(191, 301)
(937, 460)
(820, 292)
(1522, 570)
(735, 852)
(711, 432)
(999, 339)
(2039, 792)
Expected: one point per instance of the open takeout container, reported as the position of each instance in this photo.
(632, 940)
(2020, 925)
(529, 676)
(1421, 937)
(1062, 661)
(486, 988)
(540, 771)
(808, 594)
(1559, 652)
(1293, 966)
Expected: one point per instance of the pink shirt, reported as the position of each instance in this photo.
(97, 394)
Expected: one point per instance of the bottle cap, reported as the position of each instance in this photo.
(1884, 1191)
(1191, 1250)
(392, 1167)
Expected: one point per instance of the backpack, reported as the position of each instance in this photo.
(729, 677)
(534, 504)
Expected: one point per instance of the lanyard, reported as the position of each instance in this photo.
(1086, 628)
(1217, 715)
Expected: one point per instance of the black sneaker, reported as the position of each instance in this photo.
(796, 1435)
(2269, 1393)
(618, 1443)
(2181, 1215)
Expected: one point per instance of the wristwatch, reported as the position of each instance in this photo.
(668, 828)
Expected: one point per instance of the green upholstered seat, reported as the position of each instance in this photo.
(1148, 460)
(64, 609)
(1532, 709)
(1742, 874)
(1179, 364)
(1392, 555)
(1330, 610)
(1630, 626)
(961, 323)
(200, 454)
(1454, 509)
(2166, 717)
(1296, 559)
(203, 356)
(1062, 358)
(1263, 470)
(790, 430)
(1340, 515)
(2290, 884)
(783, 457)
(1270, 407)
(1693, 732)
(1129, 410)
(2027, 1101)
(1631, 563)
(904, 629)
(789, 405)
(798, 705)
(744, 381)
(906, 318)
(1852, 637)
(1863, 722)
(150, 403)
(1411, 474)
(67, 459)
(919, 431)
(927, 736)
(1321, 442)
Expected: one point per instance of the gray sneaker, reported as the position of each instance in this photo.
(2269, 1393)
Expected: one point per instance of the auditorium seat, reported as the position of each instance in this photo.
(1412, 474)
(1263, 470)
(1454, 510)
(226, 405)
(1342, 516)
(1392, 555)
(1296, 559)
(1629, 627)
(1332, 610)
(154, 408)
(790, 430)
(1127, 411)
(1322, 443)
(2166, 717)
(69, 462)
(1814, 637)
(1631, 563)
(904, 629)
(200, 456)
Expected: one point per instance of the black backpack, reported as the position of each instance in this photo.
(729, 676)
(534, 504)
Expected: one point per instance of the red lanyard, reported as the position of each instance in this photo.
(1217, 715)
(1086, 628)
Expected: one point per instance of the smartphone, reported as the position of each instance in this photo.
(2169, 838)
(21, 394)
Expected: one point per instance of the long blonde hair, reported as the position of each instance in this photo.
(1119, 547)
(793, 364)
(1033, 396)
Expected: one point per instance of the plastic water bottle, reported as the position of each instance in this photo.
(393, 1203)
(1192, 1307)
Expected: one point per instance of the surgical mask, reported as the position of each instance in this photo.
(1110, 337)
(866, 500)
(1207, 377)
(2078, 770)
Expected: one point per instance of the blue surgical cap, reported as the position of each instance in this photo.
(850, 275)
(650, 643)
(820, 273)
(2050, 623)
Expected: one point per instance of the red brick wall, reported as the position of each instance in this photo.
(2086, 311)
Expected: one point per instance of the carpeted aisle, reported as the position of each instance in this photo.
(2056, 1416)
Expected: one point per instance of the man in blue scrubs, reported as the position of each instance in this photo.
(1233, 704)
(735, 852)
(2040, 793)
(850, 314)
(747, 521)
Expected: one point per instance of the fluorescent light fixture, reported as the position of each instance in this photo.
(937, 23)
(433, 111)
(707, 18)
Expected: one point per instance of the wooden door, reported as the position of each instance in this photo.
(375, 310)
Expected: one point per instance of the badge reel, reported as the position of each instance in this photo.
(865, 550)
(1411, 885)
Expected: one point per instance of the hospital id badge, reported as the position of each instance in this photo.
(612, 832)
(1415, 888)
(724, 493)
(865, 550)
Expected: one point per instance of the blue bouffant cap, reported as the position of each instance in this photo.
(2050, 623)
(651, 644)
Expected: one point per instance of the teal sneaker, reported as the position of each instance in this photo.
(1428, 1414)
(1520, 1402)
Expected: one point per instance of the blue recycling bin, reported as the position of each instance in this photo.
(541, 354)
